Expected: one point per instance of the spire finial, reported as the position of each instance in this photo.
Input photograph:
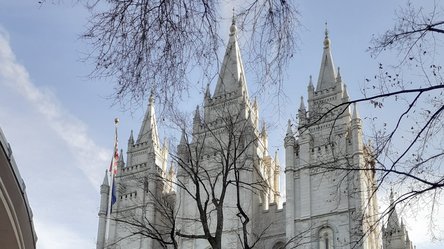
(338, 76)
(276, 158)
(105, 179)
(356, 116)
(264, 129)
(183, 139)
(391, 196)
(233, 18)
(121, 156)
(345, 93)
(302, 105)
(151, 99)
(326, 29)
(197, 115)
(207, 91)
(233, 27)
(326, 39)
(289, 131)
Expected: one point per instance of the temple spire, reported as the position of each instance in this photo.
(207, 92)
(131, 140)
(183, 139)
(392, 197)
(355, 115)
(327, 74)
(310, 82)
(276, 158)
(302, 105)
(231, 76)
(148, 130)
(197, 121)
(289, 131)
(393, 220)
(105, 179)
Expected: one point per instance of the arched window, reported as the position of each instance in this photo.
(326, 238)
(279, 245)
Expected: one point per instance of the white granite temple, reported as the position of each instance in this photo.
(224, 167)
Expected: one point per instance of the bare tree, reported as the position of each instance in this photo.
(219, 186)
(213, 164)
(146, 45)
(409, 149)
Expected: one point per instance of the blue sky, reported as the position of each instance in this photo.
(60, 123)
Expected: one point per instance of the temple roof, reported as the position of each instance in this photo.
(148, 130)
(232, 74)
(327, 73)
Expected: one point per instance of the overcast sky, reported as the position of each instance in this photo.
(60, 123)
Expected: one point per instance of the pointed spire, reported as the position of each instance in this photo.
(392, 198)
(148, 131)
(105, 179)
(338, 76)
(327, 74)
(197, 115)
(207, 92)
(302, 112)
(345, 93)
(182, 148)
(355, 112)
(264, 130)
(310, 83)
(231, 76)
(393, 221)
(196, 120)
(289, 131)
(276, 159)
(302, 105)
(121, 157)
(183, 139)
(131, 139)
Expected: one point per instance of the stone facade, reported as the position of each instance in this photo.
(329, 177)
(223, 166)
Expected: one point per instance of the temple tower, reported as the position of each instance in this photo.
(138, 185)
(228, 147)
(328, 205)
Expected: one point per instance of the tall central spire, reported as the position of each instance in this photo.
(148, 130)
(327, 74)
(231, 76)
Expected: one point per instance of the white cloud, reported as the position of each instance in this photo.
(90, 157)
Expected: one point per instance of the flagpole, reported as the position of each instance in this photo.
(112, 172)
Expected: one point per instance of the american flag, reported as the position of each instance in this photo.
(113, 170)
(115, 159)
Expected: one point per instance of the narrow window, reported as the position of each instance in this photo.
(326, 238)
